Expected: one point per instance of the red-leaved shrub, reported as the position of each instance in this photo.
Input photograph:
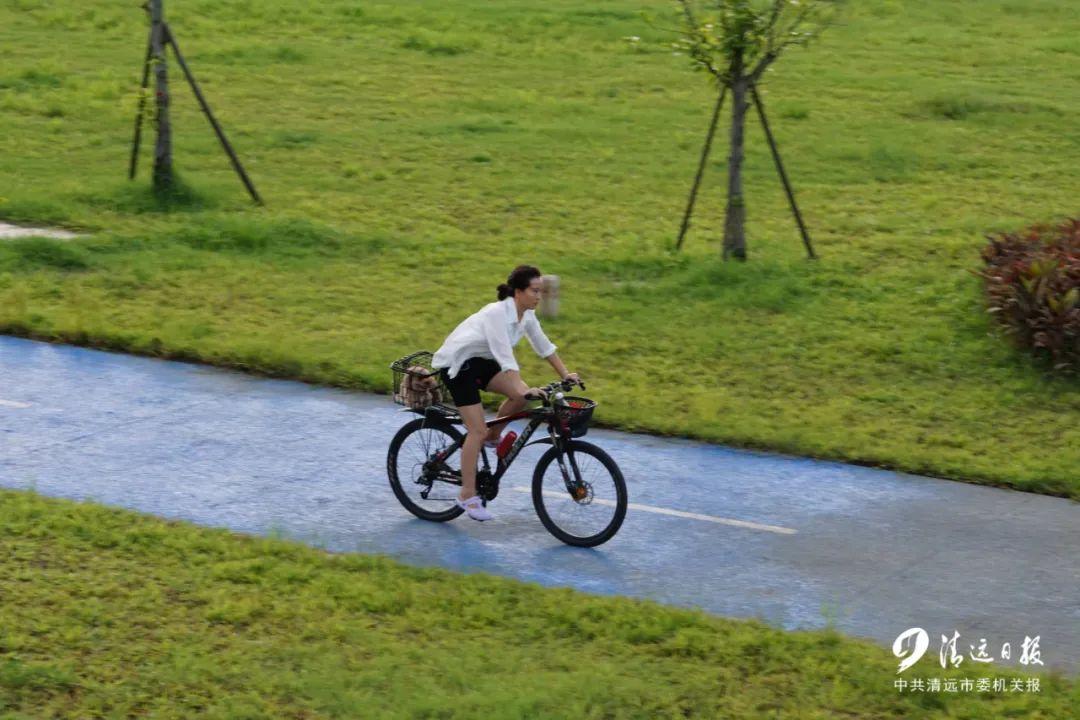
(1033, 287)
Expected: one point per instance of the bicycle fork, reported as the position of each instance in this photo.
(575, 485)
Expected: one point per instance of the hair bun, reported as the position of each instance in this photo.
(504, 291)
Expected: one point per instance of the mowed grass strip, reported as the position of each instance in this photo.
(108, 613)
(412, 153)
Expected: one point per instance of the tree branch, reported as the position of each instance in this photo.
(689, 13)
(761, 66)
(777, 8)
(696, 52)
(759, 36)
(790, 30)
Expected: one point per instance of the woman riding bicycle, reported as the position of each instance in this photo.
(479, 355)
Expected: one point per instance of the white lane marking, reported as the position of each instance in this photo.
(679, 513)
(14, 404)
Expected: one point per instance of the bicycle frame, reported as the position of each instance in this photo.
(537, 417)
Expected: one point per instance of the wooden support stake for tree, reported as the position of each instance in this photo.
(163, 174)
(142, 108)
(780, 168)
(701, 168)
(171, 39)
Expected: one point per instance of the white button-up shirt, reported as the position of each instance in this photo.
(492, 332)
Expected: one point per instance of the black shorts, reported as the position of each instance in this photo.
(473, 376)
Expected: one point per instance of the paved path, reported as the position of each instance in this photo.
(874, 551)
(8, 232)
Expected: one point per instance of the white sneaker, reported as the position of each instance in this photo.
(474, 508)
(492, 444)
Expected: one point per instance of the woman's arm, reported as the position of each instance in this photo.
(539, 341)
(557, 363)
(498, 339)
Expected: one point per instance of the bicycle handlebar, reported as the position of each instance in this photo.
(563, 385)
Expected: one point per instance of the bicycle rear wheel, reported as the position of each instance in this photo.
(580, 496)
(424, 481)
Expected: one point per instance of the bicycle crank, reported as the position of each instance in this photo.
(487, 486)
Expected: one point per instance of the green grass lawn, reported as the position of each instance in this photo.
(411, 153)
(107, 613)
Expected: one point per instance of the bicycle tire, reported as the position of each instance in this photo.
(618, 483)
(396, 482)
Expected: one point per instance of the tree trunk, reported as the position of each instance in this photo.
(163, 171)
(735, 217)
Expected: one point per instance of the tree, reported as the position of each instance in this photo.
(161, 36)
(736, 41)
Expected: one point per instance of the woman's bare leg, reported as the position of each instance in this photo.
(473, 415)
(508, 407)
(511, 385)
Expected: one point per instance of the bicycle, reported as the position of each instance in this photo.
(578, 490)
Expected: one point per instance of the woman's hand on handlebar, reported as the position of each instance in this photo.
(536, 393)
(573, 379)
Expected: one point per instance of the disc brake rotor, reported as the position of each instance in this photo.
(582, 493)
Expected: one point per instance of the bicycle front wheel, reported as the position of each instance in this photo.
(579, 495)
(424, 480)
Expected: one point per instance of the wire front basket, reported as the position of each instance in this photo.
(574, 414)
(416, 384)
